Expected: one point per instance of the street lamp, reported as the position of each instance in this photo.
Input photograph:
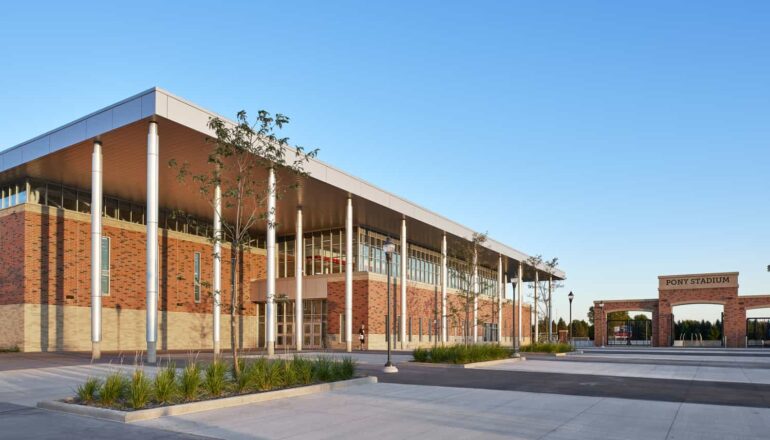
(389, 247)
(571, 297)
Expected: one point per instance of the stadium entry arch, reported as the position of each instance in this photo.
(708, 288)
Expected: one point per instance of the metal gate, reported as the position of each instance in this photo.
(629, 332)
(758, 332)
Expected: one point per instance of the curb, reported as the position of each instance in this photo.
(193, 407)
(463, 366)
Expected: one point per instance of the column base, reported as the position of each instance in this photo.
(390, 369)
(152, 353)
(96, 351)
(271, 349)
(217, 349)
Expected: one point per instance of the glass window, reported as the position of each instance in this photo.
(197, 277)
(105, 266)
(84, 202)
(70, 197)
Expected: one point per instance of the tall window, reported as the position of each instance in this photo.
(105, 266)
(197, 277)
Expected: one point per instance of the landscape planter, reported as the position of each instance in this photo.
(203, 405)
(468, 365)
(543, 353)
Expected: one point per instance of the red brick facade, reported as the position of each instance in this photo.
(370, 309)
(45, 261)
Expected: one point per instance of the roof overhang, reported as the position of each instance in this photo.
(65, 154)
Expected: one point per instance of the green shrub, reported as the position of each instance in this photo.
(112, 389)
(164, 385)
(190, 381)
(215, 378)
(87, 392)
(345, 369)
(303, 370)
(323, 369)
(248, 378)
(547, 347)
(421, 355)
(139, 390)
(288, 374)
(461, 354)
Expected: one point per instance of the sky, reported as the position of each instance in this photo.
(629, 140)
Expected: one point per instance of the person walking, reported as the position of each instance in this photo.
(362, 337)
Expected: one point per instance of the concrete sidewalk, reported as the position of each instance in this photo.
(408, 411)
(656, 371)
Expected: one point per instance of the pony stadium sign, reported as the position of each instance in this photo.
(698, 281)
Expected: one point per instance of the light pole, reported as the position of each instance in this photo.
(389, 247)
(571, 297)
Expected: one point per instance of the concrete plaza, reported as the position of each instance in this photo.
(620, 394)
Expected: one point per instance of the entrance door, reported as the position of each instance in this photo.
(314, 321)
(284, 337)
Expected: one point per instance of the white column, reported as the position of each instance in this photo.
(444, 277)
(475, 296)
(537, 331)
(519, 285)
(404, 266)
(550, 312)
(349, 276)
(152, 242)
(270, 316)
(500, 289)
(299, 267)
(96, 250)
(217, 270)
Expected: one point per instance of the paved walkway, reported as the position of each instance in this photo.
(656, 371)
(579, 397)
(410, 411)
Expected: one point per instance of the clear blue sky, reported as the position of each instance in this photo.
(629, 140)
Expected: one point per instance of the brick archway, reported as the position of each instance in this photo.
(602, 308)
(674, 290)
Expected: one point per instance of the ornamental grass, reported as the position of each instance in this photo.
(135, 390)
(461, 354)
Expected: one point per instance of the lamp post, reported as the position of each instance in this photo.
(389, 247)
(571, 297)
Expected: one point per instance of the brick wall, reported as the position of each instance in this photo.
(370, 308)
(56, 244)
(11, 256)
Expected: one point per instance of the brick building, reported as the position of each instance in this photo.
(134, 274)
(675, 290)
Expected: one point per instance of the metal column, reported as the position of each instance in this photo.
(475, 287)
(443, 288)
(500, 289)
(298, 278)
(404, 267)
(152, 243)
(537, 324)
(217, 270)
(270, 315)
(519, 286)
(96, 250)
(349, 276)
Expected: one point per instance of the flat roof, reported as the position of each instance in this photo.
(156, 102)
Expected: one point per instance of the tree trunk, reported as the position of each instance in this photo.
(233, 298)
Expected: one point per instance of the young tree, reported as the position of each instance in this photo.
(241, 156)
(464, 258)
(542, 297)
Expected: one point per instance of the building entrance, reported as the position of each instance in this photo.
(313, 323)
